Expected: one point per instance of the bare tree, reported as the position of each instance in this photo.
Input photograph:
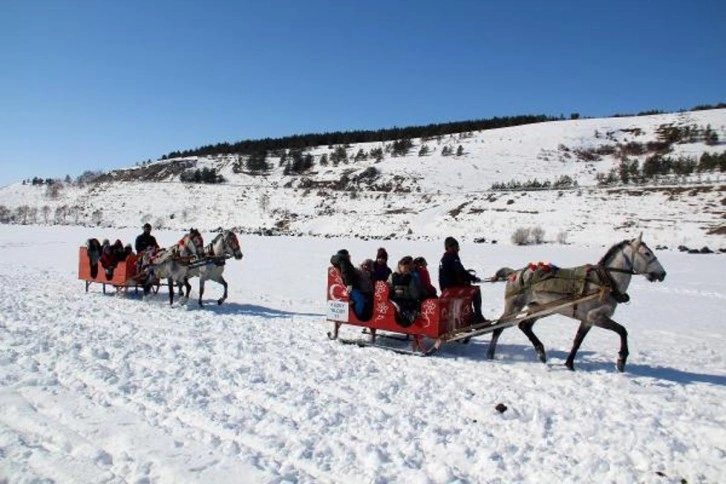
(97, 217)
(75, 212)
(53, 191)
(61, 213)
(45, 211)
(264, 202)
(32, 215)
(5, 214)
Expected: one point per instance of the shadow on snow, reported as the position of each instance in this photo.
(517, 354)
(254, 310)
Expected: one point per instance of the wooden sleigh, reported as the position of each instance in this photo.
(124, 275)
(448, 318)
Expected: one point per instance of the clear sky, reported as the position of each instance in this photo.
(103, 84)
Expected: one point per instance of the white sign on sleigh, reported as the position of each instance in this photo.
(338, 311)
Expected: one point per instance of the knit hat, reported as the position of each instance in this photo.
(343, 253)
(450, 242)
(382, 254)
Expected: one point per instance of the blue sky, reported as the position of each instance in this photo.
(97, 85)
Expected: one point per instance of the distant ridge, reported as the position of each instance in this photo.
(577, 181)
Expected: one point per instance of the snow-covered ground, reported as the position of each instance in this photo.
(102, 388)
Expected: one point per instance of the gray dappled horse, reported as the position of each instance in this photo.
(173, 264)
(222, 247)
(611, 276)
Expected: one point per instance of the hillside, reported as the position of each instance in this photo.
(428, 193)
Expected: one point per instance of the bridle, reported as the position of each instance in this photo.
(630, 261)
(606, 271)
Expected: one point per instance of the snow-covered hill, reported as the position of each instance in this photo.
(425, 196)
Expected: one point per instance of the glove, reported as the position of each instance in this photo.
(349, 289)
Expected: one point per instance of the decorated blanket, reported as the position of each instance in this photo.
(552, 279)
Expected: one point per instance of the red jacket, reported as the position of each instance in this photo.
(425, 278)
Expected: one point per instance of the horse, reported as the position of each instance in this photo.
(172, 264)
(222, 247)
(611, 276)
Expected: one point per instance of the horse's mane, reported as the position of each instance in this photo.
(210, 245)
(611, 252)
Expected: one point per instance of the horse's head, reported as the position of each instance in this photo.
(193, 243)
(644, 261)
(231, 244)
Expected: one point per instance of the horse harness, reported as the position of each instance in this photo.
(210, 256)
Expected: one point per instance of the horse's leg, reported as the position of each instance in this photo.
(188, 288)
(607, 323)
(180, 290)
(171, 291)
(493, 343)
(201, 289)
(224, 284)
(511, 309)
(526, 328)
(579, 337)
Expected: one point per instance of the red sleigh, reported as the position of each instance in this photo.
(446, 318)
(124, 274)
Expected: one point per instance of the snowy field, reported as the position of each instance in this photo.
(99, 388)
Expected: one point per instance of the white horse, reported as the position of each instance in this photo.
(173, 264)
(611, 277)
(222, 247)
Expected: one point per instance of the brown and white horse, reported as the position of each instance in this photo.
(173, 264)
(222, 247)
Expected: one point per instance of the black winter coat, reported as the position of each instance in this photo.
(452, 272)
(144, 241)
(348, 271)
(405, 286)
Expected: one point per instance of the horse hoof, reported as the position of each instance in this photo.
(620, 365)
(490, 356)
(570, 365)
(542, 357)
